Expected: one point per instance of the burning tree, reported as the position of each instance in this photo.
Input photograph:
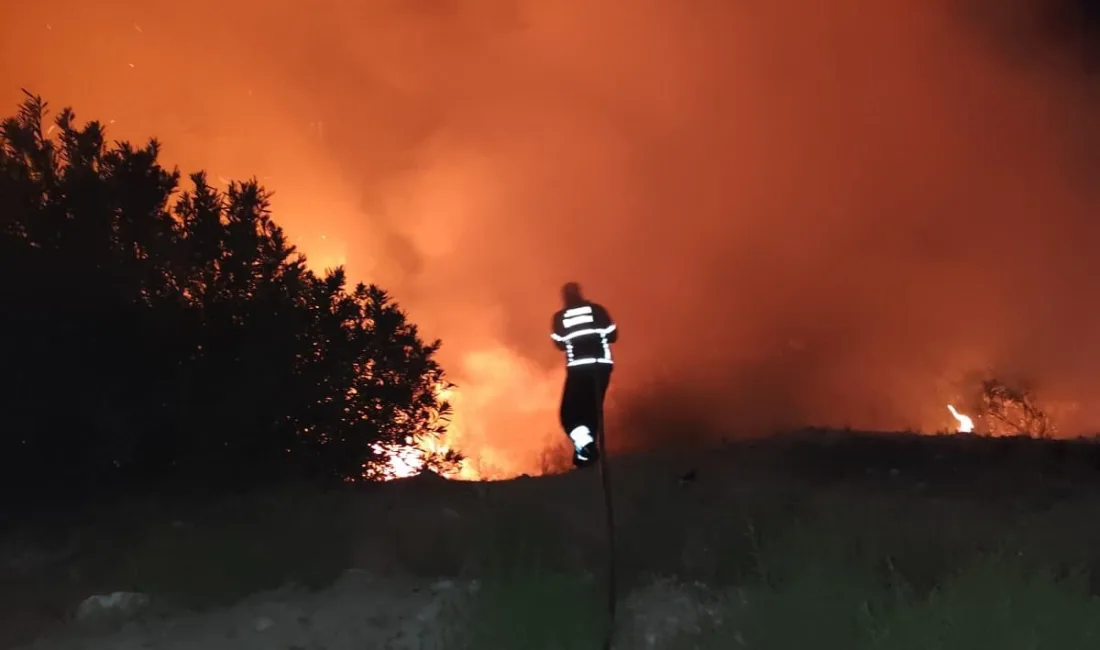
(1002, 408)
(1007, 410)
(153, 335)
(424, 450)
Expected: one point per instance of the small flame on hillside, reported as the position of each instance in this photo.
(401, 461)
(966, 423)
(412, 457)
(414, 454)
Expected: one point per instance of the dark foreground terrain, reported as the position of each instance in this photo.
(819, 540)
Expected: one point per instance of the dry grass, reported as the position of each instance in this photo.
(906, 526)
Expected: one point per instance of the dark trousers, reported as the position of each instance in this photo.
(582, 398)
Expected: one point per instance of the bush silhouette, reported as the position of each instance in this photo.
(1012, 409)
(154, 336)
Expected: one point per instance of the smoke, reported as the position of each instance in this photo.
(797, 214)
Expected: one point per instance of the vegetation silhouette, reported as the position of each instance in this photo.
(155, 337)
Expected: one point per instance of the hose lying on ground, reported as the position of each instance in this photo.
(605, 478)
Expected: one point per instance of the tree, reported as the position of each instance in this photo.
(152, 334)
(1007, 409)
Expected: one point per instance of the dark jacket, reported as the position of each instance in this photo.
(585, 333)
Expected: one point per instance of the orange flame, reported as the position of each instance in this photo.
(502, 393)
(966, 423)
(411, 458)
(401, 461)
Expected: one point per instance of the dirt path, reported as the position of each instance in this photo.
(359, 611)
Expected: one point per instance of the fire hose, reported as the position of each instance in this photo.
(605, 479)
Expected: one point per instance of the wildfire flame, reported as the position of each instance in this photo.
(409, 459)
(401, 461)
(500, 390)
(966, 424)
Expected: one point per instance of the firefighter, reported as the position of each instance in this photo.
(584, 331)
